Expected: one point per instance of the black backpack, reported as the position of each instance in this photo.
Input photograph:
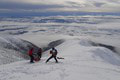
(54, 52)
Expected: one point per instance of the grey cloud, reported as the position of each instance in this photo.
(72, 3)
(88, 4)
(14, 5)
(98, 4)
(77, 5)
(115, 1)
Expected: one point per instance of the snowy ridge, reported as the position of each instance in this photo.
(15, 43)
(81, 62)
(13, 49)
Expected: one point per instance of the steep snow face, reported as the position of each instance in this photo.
(86, 51)
(82, 61)
(15, 43)
(8, 56)
(13, 49)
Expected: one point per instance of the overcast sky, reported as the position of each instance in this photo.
(58, 6)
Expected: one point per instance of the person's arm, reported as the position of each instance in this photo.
(50, 52)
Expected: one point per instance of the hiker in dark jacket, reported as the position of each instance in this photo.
(39, 53)
(31, 55)
(54, 54)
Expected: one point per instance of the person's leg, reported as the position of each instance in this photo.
(55, 59)
(32, 58)
(49, 58)
(40, 55)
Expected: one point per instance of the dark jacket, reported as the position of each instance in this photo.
(53, 52)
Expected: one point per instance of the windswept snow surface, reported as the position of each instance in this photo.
(14, 49)
(82, 61)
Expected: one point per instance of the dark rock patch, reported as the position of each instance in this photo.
(110, 47)
(53, 44)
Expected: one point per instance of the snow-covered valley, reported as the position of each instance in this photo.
(89, 44)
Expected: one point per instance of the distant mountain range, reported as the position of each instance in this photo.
(56, 14)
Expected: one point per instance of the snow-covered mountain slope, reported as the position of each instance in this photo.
(82, 61)
(77, 39)
(13, 49)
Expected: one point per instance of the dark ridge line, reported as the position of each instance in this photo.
(53, 44)
(112, 48)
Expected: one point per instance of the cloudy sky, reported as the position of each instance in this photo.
(17, 7)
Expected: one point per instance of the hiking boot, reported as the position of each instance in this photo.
(31, 62)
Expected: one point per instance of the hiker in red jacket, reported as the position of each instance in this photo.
(31, 55)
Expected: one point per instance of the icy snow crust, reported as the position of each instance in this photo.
(83, 61)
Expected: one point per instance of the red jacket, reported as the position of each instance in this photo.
(30, 52)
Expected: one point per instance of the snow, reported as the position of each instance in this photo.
(83, 61)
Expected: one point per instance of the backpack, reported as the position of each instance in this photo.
(53, 52)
